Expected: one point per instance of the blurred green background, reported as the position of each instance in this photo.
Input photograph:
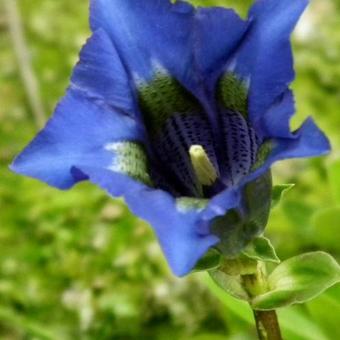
(78, 265)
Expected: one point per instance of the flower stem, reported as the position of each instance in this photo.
(267, 325)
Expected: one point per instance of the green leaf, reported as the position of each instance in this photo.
(298, 280)
(278, 192)
(261, 249)
(211, 260)
(230, 284)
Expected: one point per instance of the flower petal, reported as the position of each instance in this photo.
(307, 141)
(144, 34)
(218, 31)
(177, 230)
(275, 122)
(265, 56)
(158, 36)
(189, 43)
(100, 74)
(96, 111)
(78, 133)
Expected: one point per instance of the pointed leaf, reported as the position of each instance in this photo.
(230, 284)
(211, 260)
(278, 192)
(298, 280)
(261, 249)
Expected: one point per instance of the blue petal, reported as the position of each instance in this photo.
(275, 122)
(218, 31)
(219, 205)
(265, 57)
(307, 141)
(97, 110)
(179, 232)
(148, 35)
(188, 43)
(100, 74)
(77, 134)
(157, 36)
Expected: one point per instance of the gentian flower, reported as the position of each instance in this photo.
(182, 111)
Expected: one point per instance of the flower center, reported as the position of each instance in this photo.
(186, 159)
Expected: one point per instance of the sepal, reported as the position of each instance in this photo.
(229, 276)
(261, 249)
(279, 191)
(230, 284)
(211, 260)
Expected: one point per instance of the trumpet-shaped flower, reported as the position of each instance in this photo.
(182, 111)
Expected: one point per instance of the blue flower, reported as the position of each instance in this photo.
(182, 111)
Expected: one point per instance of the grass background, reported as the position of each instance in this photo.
(78, 265)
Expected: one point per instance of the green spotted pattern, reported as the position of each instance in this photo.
(186, 204)
(262, 154)
(233, 94)
(130, 159)
(163, 97)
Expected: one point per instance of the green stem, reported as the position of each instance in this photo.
(267, 324)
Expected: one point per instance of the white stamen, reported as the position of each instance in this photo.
(204, 169)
